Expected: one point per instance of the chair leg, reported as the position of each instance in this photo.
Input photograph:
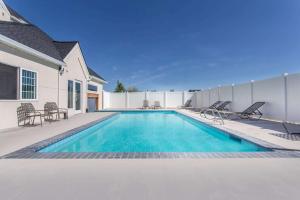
(33, 120)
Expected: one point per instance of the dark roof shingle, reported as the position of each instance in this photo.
(64, 47)
(93, 73)
(31, 36)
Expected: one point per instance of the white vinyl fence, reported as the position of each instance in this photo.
(132, 100)
(281, 94)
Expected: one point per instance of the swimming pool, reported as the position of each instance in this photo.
(152, 131)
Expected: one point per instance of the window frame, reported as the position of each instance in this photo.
(21, 82)
(71, 107)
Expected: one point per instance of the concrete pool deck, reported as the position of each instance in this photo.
(261, 129)
(216, 179)
(213, 178)
(14, 139)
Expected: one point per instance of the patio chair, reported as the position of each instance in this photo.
(31, 112)
(145, 104)
(22, 117)
(51, 109)
(156, 105)
(248, 113)
(188, 104)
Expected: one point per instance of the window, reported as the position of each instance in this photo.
(92, 88)
(70, 94)
(77, 95)
(8, 82)
(28, 84)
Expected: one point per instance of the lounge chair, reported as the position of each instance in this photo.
(31, 112)
(156, 105)
(291, 128)
(251, 111)
(223, 106)
(213, 106)
(188, 104)
(51, 109)
(145, 104)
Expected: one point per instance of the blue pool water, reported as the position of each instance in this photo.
(157, 131)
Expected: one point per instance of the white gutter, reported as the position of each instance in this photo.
(98, 79)
(14, 44)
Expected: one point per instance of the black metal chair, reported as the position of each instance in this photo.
(248, 113)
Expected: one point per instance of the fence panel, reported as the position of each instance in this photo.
(206, 98)
(214, 95)
(156, 96)
(106, 100)
(293, 98)
(199, 99)
(117, 100)
(241, 97)
(190, 96)
(272, 92)
(135, 99)
(226, 94)
(174, 99)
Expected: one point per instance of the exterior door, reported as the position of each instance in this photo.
(92, 104)
(77, 96)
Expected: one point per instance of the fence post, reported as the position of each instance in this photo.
(209, 96)
(252, 91)
(165, 99)
(285, 76)
(232, 95)
(219, 86)
(126, 99)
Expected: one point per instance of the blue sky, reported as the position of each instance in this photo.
(168, 44)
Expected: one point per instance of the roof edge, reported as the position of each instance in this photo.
(17, 45)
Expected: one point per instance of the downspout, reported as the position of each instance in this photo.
(58, 73)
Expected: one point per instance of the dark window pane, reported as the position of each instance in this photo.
(8, 82)
(70, 94)
(92, 87)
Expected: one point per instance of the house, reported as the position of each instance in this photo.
(38, 69)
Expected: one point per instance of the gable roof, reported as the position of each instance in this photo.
(15, 14)
(93, 73)
(31, 36)
(64, 47)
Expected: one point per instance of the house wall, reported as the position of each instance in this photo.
(99, 93)
(75, 70)
(4, 13)
(47, 85)
(51, 85)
